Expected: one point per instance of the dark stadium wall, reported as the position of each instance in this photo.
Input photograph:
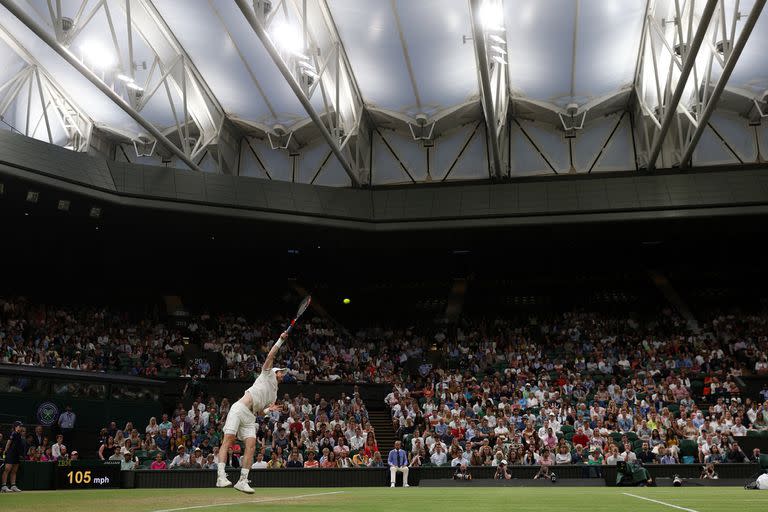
(538, 201)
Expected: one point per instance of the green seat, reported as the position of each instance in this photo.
(632, 436)
(569, 437)
(567, 429)
(754, 433)
(764, 462)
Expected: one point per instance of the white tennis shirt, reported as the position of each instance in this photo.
(263, 392)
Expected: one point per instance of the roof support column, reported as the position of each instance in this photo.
(730, 63)
(494, 105)
(333, 142)
(689, 52)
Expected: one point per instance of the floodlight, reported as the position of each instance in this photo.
(497, 39)
(287, 38)
(124, 78)
(97, 55)
(95, 212)
(491, 15)
(134, 86)
(32, 196)
(63, 205)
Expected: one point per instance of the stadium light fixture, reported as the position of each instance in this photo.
(63, 205)
(124, 78)
(97, 55)
(134, 86)
(497, 39)
(32, 196)
(288, 39)
(491, 15)
(95, 212)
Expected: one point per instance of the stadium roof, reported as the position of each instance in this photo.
(350, 92)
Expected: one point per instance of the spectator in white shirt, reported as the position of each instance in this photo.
(56, 448)
(259, 463)
(738, 430)
(181, 460)
(439, 456)
(563, 455)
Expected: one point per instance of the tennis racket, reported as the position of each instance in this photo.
(302, 308)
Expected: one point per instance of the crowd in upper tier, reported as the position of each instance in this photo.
(573, 343)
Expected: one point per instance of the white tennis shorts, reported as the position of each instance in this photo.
(240, 422)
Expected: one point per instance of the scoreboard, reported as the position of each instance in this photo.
(90, 476)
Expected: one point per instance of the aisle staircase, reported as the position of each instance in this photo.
(382, 424)
(668, 291)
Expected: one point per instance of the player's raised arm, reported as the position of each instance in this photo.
(268, 362)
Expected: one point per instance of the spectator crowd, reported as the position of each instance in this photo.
(304, 432)
(572, 388)
(587, 390)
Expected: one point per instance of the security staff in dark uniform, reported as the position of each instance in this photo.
(14, 453)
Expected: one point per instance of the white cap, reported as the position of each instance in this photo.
(504, 461)
(279, 370)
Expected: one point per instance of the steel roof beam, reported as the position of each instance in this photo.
(732, 58)
(688, 65)
(51, 41)
(489, 105)
(297, 89)
(75, 122)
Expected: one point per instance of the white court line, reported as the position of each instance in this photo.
(284, 498)
(659, 502)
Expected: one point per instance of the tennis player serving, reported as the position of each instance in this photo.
(241, 420)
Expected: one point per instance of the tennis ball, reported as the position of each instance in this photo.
(346, 301)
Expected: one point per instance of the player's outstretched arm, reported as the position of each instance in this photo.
(268, 362)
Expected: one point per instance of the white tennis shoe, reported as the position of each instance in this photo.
(242, 486)
(223, 481)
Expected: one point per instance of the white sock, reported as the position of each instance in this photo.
(221, 466)
(244, 474)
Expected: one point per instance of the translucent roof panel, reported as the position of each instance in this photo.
(284, 102)
(544, 64)
(430, 31)
(225, 74)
